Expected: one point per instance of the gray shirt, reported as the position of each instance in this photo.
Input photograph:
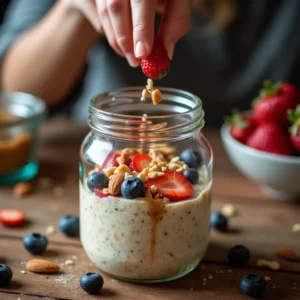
(224, 70)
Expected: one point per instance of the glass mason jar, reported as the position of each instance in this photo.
(145, 185)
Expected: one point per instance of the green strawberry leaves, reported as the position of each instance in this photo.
(269, 89)
(294, 117)
(236, 119)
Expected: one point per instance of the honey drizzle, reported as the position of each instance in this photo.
(156, 211)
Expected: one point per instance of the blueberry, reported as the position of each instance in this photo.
(253, 285)
(192, 175)
(218, 221)
(238, 256)
(133, 187)
(35, 243)
(6, 275)
(91, 283)
(191, 157)
(69, 225)
(97, 180)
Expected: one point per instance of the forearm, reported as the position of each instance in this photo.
(47, 60)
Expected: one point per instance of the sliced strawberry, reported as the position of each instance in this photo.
(11, 216)
(110, 160)
(100, 194)
(140, 162)
(172, 185)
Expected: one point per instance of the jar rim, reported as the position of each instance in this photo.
(108, 114)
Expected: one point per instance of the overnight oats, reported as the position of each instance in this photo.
(145, 185)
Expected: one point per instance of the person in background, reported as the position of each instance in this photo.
(67, 51)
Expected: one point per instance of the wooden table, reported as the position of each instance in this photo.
(261, 224)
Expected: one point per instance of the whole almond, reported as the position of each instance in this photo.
(22, 189)
(286, 253)
(114, 186)
(42, 266)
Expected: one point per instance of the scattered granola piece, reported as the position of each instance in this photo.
(23, 272)
(45, 182)
(274, 265)
(156, 96)
(69, 262)
(210, 276)
(144, 94)
(296, 228)
(50, 230)
(287, 253)
(22, 189)
(267, 278)
(74, 257)
(58, 191)
(228, 210)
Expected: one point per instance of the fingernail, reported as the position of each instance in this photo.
(140, 49)
(171, 51)
(133, 62)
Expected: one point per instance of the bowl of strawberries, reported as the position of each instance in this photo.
(264, 143)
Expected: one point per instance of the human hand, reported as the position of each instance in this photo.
(129, 24)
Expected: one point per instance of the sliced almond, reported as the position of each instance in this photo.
(114, 186)
(42, 266)
(287, 253)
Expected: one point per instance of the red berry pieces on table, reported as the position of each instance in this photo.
(294, 117)
(269, 137)
(273, 101)
(157, 64)
(11, 216)
(241, 125)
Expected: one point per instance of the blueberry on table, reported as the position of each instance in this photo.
(238, 256)
(97, 180)
(91, 283)
(133, 187)
(191, 157)
(253, 285)
(192, 175)
(35, 243)
(218, 221)
(69, 225)
(6, 275)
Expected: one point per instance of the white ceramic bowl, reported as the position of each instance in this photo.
(278, 175)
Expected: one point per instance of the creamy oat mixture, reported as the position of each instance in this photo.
(145, 239)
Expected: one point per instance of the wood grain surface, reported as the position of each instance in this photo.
(262, 224)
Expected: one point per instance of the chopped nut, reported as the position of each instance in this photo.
(144, 94)
(134, 173)
(228, 210)
(267, 278)
(127, 175)
(145, 172)
(153, 189)
(296, 228)
(162, 164)
(114, 186)
(185, 167)
(144, 178)
(69, 262)
(150, 82)
(164, 169)
(175, 159)
(148, 193)
(58, 191)
(287, 253)
(274, 265)
(155, 174)
(50, 230)
(105, 191)
(45, 182)
(173, 166)
(156, 96)
(157, 196)
(122, 169)
(23, 272)
(165, 199)
(22, 189)
(180, 170)
(154, 168)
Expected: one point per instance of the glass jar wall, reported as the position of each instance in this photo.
(145, 185)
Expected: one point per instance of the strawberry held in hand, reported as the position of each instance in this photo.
(157, 64)
(269, 137)
(273, 102)
(294, 117)
(241, 125)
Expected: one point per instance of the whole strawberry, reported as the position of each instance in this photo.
(294, 117)
(269, 137)
(273, 102)
(241, 125)
(157, 64)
